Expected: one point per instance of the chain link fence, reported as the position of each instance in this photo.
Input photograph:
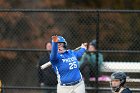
(23, 34)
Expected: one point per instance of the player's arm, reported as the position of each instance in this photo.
(54, 51)
(81, 51)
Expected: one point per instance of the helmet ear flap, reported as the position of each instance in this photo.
(65, 46)
(122, 82)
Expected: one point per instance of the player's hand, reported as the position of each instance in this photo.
(84, 45)
(54, 38)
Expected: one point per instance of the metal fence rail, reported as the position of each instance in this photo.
(54, 88)
(70, 10)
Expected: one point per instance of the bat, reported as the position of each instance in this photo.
(46, 65)
(49, 63)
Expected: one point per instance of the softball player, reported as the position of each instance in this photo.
(118, 80)
(65, 64)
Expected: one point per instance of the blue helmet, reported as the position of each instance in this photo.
(62, 40)
(119, 76)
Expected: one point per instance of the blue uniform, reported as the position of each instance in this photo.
(66, 64)
(126, 90)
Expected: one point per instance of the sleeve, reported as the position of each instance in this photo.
(54, 52)
(79, 52)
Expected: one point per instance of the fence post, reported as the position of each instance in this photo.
(97, 48)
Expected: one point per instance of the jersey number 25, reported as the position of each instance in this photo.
(72, 65)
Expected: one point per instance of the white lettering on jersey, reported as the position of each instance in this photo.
(71, 61)
(67, 60)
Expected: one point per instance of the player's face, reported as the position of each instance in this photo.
(115, 83)
(61, 48)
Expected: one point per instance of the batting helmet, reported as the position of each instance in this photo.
(118, 76)
(62, 40)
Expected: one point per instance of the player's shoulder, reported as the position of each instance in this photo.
(126, 90)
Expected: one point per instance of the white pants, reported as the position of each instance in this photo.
(78, 88)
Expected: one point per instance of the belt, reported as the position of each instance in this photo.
(71, 84)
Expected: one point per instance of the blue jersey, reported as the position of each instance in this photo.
(126, 90)
(66, 64)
